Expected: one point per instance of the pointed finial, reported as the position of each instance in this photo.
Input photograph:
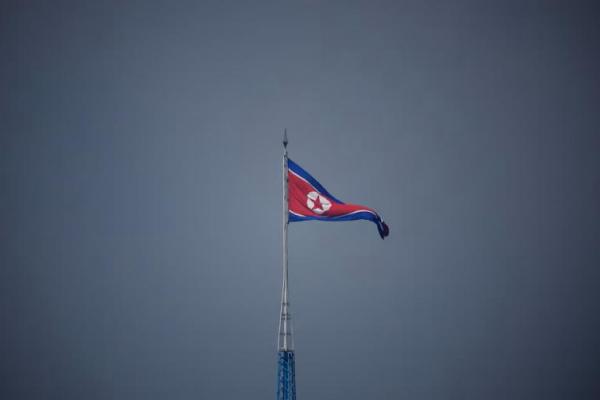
(285, 141)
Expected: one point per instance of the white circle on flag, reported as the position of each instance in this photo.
(317, 203)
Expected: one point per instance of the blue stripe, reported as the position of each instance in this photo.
(301, 172)
(381, 226)
(351, 217)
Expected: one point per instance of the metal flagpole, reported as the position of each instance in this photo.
(286, 365)
(284, 301)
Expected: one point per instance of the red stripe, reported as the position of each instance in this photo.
(298, 189)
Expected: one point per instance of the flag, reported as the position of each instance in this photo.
(309, 200)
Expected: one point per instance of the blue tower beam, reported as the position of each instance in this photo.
(286, 376)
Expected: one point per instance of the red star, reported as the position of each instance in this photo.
(317, 202)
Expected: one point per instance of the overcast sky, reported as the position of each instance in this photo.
(140, 198)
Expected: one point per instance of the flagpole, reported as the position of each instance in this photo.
(286, 364)
(285, 334)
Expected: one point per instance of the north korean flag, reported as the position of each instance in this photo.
(309, 200)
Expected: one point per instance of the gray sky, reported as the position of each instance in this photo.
(140, 242)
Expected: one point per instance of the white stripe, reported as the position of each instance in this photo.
(334, 216)
(357, 211)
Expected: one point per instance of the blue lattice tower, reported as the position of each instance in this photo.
(286, 359)
(286, 376)
(286, 364)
